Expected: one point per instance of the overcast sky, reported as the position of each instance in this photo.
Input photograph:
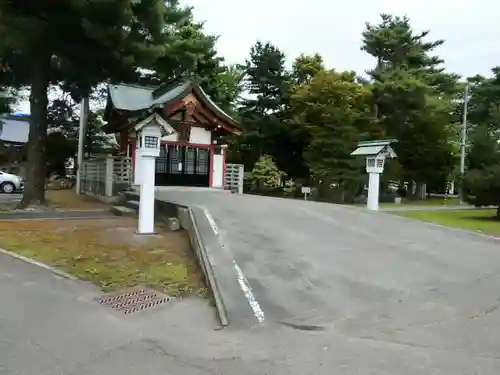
(333, 28)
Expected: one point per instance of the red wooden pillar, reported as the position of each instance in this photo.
(224, 166)
(211, 166)
(124, 140)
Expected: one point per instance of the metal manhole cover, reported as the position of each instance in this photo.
(134, 299)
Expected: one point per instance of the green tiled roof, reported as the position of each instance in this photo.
(129, 97)
(367, 150)
(372, 147)
(133, 98)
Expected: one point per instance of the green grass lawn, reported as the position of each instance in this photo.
(433, 201)
(477, 220)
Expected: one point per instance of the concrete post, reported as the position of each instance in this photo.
(137, 167)
(147, 196)
(84, 110)
(373, 191)
(241, 175)
(109, 176)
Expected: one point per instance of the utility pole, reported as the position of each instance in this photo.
(462, 143)
(84, 108)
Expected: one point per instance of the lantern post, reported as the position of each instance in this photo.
(375, 153)
(148, 144)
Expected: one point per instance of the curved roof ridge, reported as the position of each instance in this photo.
(132, 97)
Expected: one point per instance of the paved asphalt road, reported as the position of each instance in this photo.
(376, 294)
(431, 294)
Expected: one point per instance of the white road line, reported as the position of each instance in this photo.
(211, 221)
(247, 290)
(240, 276)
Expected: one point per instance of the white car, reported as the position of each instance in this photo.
(10, 183)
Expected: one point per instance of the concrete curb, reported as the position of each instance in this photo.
(55, 215)
(207, 268)
(40, 264)
(187, 220)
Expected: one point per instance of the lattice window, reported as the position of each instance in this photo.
(161, 165)
(202, 165)
(190, 161)
(175, 160)
(150, 141)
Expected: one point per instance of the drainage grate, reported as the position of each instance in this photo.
(134, 299)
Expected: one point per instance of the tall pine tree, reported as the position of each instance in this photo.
(413, 97)
(263, 111)
(482, 178)
(79, 44)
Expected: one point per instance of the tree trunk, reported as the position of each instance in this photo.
(421, 191)
(34, 187)
(498, 212)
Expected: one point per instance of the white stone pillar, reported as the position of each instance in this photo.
(109, 176)
(373, 191)
(137, 166)
(147, 196)
(241, 178)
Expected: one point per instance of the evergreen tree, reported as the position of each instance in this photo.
(6, 101)
(187, 52)
(6, 91)
(306, 67)
(265, 174)
(63, 120)
(484, 101)
(229, 88)
(332, 109)
(80, 44)
(413, 97)
(482, 178)
(263, 111)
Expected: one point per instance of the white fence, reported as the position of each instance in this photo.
(233, 179)
(105, 175)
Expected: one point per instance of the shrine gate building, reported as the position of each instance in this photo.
(193, 125)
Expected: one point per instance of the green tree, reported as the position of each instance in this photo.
(263, 110)
(58, 150)
(81, 44)
(7, 94)
(266, 175)
(63, 120)
(413, 97)
(187, 52)
(78, 43)
(305, 67)
(230, 88)
(332, 109)
(482, 178)
(6, 101)
(484, 100)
